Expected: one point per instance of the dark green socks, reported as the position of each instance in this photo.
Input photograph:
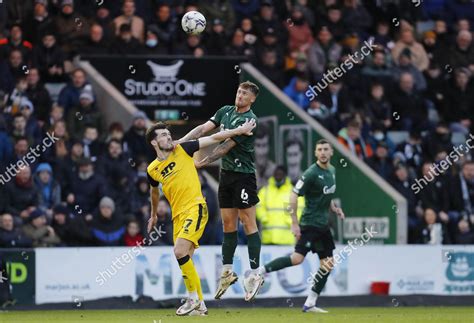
(228, 247)
(278, 264)
(254, 245)
(320, 280)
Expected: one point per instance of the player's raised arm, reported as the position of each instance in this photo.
(244, 129)
(198, 132)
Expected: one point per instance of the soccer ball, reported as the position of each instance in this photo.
(193, 22)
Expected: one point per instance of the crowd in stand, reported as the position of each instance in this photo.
(89, 187)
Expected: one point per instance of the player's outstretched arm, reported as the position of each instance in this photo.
(154, 198)
(197, 132)
(244, 129)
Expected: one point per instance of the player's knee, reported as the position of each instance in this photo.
(179, 252)
(296, 259)
(229, 226)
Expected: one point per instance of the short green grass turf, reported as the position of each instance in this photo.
(250, 315)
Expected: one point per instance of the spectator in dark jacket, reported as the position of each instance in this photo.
(11, 237)
(125, 43)
(22, 194)
(49, 58)
(135, 137)
(270, 69)
(69, 95)
(165, 27)
(164, 225)
(431, 231)
(96, 43)
(217, 39)
(87, 188)
(465, 233)
(49, 191)
(38, 95)
(69, 230)
(461, 192)
(85, 114)
(37, 230)
(6, 146)
(381, 161)
(15, 41)
(39, 21)
(140, 201)
(108, 227)
(16, 64)
(437, 140)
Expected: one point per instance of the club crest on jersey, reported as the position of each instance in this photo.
(168, 169)
(329, 190)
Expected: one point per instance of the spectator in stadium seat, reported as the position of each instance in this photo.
(381, 162)
(22, 194)
(356, 16)
(15, 41)
(135, 136)
(104, 17)
(239, 47)
(219, 9)
(153, 45)
(404, 65)
(128, 17)
(272, 213)
(250, 32)
(323, 52)
(49, 191)
(300, 37)
(216, 39)
(116, 132)
(20, 149)
(60, 148)
(38, 95)
(409, 104)
(407, 40)
(6, 145)
(38, 22)
(350, 137)
(296, 90)
(245, 8)
(49, 58)
(69, 95)
(37, 230)
(269, 41)
(32, 128)
(140, 200)
(67, 167)
(435, 86)
(18, 131)
(378, 69)
(164, 224)
(458, 108)
(16, 64)
(432, 231)
(61, 223)
(334, 22)
(164, 26)
(465, 233)
(87, 188)
(192, 46)
(108, 226)
(270, 69)
(84, 114)
(377, 108)
(124, 43)
(7, 82)
(436, 140)
(132, 236)
(268, 18)
(337, 99)
(95, 43)
(10, 236)
(461, 193)
(410, 151)
(93, 146)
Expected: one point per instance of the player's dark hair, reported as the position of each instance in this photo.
(150, 132)
(252, 87)
(322, 142)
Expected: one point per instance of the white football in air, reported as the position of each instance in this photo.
(193, 22)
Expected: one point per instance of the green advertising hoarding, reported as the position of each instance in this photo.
(367, 200)
(20, 270)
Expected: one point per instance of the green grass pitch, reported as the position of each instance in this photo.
(250, 315)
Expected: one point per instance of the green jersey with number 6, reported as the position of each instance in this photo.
(241, 158)
(318, 186)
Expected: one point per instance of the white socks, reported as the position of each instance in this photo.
(261, 270)
(311, 299)
(226, 268)
(193, 296)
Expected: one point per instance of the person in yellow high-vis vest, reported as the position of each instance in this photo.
(272, 213)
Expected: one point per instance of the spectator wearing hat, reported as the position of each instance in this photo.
(219, 9)
(95, 43)
(61, 223)
(38, 22)
(39, 231)
(357, 17)
(323, 52)
(38, 95)
(32, 127)
(458, 109)
(153, 45)
(84, 114)
(268, 42)
(270, 69)
(418, 54)
(49, 191)
(15, 41)
(49, 58)
(22, 194)
(335, 24)
(135, 137)
(464, 233)
(437, 139)
(125, 43)
(300, 37)
(10, 236)
(165, 27)
(128, 17)
(405, 65)
(71, 28)
(216, 40)
(381, 162)
(87, 187)
(267, 19)
(69, 95)
(107, 227)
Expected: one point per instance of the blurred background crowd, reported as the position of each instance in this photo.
(401, 109)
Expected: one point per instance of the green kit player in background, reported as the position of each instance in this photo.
(237, 187)
(317, 185)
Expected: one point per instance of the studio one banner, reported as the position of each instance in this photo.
(172, 88)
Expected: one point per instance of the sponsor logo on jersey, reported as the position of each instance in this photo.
(329, 190)
(168, 169)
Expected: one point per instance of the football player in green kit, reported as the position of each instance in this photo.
(237, 186)
(317, 185)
